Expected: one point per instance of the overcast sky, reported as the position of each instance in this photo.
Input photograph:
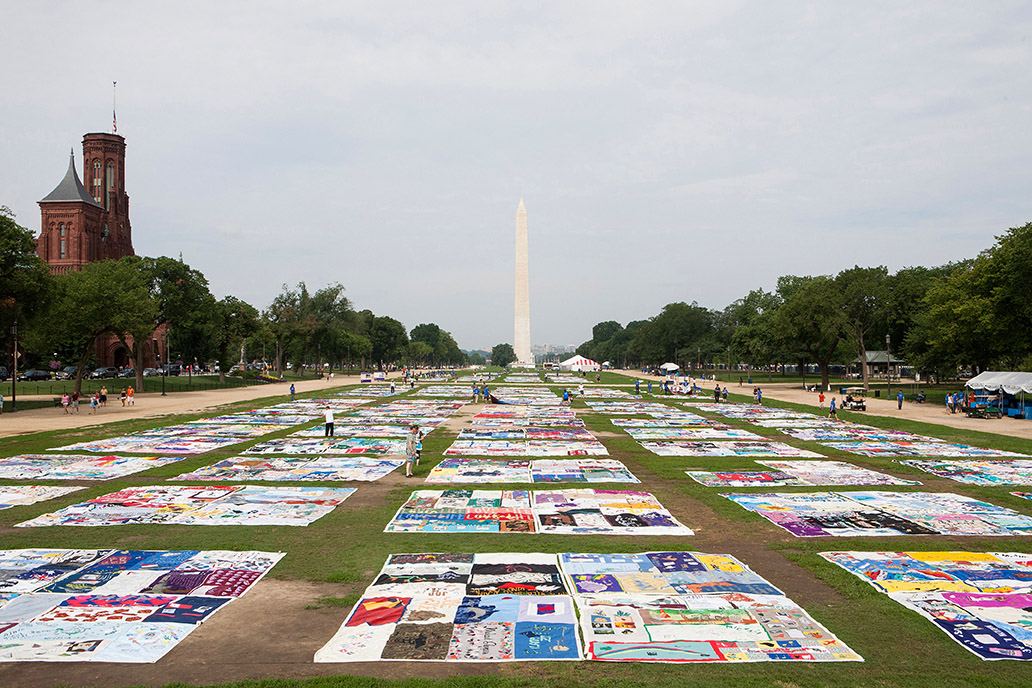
(665, 151)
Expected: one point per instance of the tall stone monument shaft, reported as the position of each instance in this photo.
(521, 341)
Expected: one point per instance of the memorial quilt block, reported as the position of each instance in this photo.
(904, 448)
(732, 448)
(210, 505)
(77, 466)
(461, 608)
(852, 514)
(21, 495)
(296, 468)
(695, 433)
(982, 600)
(690, 607)
(145, 444)
(473, 470)
(978, 471)
(61, 605)
(834, 473)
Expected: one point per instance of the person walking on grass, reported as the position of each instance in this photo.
(329, 423)
(637, 386)
(411, 448)
(759, 396)
(291, 392)
(832, 412)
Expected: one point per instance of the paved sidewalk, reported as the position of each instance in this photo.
(152, 405)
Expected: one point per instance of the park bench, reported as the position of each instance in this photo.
(57, 402)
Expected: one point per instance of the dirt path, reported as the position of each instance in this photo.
(154, 405)
(925, 413)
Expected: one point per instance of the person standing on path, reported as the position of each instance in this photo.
(831, 410)
(899, 401)
(329, 423)
(122, 397)
(130, 396)
(75, 402)
(411, 445)
(103, 395)
(65, 400)
(292, 391)
(93, 403)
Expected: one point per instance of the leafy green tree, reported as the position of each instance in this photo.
(105, 297)
(234, 321)
(26, 286)
(389, 340)
(502, 355)
(476, 359)
(180, 301)
(864, 298)
(810, 319)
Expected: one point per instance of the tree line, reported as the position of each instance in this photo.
(133, 297)
(969, 315)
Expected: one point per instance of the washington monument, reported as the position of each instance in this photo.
(521, 340)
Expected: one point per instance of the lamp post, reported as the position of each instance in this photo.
(164, 355)
(14, 376)
(888, 363)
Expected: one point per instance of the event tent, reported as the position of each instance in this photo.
(1012, 387)
(1011, 383)
(578, 363)
(670, 367)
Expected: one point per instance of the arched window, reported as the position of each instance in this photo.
(96, 181)
(62, 230)
(110, 185)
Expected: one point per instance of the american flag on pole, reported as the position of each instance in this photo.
(114, 117)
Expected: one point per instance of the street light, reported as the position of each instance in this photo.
(164, 368)
(14, 377)
(888, 363)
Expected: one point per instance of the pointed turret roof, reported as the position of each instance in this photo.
(70, 188)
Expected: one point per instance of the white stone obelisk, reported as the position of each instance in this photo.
(521, 342)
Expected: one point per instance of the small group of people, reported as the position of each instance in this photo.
(719, 394)
(70, 402)
(757, 395)
(959, 402)
(478, 391)
(128, 396)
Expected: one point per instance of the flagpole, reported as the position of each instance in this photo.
(114, 102)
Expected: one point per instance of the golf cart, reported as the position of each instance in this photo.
(854, 399)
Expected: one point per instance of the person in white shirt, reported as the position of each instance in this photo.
(329, 422)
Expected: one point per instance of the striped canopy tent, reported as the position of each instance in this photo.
(578, 363)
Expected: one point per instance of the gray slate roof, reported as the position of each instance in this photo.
(70, 188)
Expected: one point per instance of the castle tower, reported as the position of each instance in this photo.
(83, 223)
(104, 171)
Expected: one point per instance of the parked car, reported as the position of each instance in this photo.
(33, 376)
(105, 372)
(151, 372)
(172, 369)
(4, 374)
(128, 372)
(67, 373)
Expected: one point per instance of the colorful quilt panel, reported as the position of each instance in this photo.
(296, 468)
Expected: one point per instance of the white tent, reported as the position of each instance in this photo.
(1011, 383)
(578, 363)
(669, 367)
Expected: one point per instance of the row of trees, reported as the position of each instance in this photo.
(133, 297)
(973, 314)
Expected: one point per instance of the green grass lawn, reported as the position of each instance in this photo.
(347, 547)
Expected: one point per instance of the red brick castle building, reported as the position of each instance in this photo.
(81, 224)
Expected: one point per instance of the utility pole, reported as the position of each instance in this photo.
(14, 377)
